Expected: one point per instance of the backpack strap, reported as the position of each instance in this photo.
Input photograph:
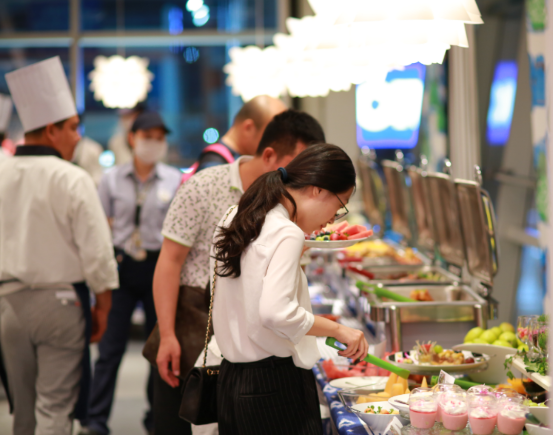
(217, 148)
(220, 149)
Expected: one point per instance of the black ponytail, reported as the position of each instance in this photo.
(325, 166)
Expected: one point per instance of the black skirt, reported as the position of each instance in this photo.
(271, 396)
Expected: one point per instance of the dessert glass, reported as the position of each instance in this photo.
(482, 413)
(438, 390)
(511, 415)
(453, 409)
(423, 408)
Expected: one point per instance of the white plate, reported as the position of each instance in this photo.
(424, 369)
(333, 244)
(400, 406)
(495, 372)
(377, 422)
(369, 383)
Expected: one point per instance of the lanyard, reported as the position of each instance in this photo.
(140, 196)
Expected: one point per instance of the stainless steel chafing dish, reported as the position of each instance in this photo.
(456, 307)
(410, 204)
(464, 231)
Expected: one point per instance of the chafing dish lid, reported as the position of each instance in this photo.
(372, 192)
(445, 216)
(422, 210)
(398, 197)
(478, 230)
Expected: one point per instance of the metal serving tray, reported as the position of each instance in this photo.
(398, 275)
(456, 307)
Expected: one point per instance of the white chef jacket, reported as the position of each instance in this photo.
(53, 231)
(267, 310)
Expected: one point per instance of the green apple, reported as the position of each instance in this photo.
(519, 342)
(506, 327)
(501, 343)
(496, 330)
(480, 341)
(473, 334)
(523, 347)
(510, 337)
(488, 336)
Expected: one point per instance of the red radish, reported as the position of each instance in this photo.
(361, 235)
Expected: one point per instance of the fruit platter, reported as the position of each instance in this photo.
(430, 358)
(337, 236)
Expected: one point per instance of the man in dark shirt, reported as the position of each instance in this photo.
(244, 135)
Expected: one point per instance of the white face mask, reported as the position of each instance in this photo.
(150, 151)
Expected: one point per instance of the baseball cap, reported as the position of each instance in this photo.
(148, 120)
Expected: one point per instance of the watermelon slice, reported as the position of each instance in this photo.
(361, 235)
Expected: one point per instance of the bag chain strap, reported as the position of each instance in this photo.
(215, 372)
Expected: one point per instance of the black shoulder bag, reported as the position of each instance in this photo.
(199, 399)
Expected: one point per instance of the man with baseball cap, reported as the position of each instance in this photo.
(135, 196)
(54, 246)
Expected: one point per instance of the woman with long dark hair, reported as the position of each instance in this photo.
(262, 313)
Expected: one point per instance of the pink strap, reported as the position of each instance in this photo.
(220, 149)
(217, 148)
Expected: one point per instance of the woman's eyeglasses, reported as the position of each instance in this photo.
(342, 212)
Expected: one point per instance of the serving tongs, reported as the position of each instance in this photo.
(382, 292)
(371, 359)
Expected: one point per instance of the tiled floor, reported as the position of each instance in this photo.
(130, 401)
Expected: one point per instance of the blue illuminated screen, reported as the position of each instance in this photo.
(502, 99)
(388, 114)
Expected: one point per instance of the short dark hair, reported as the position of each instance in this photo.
(40, 130)
(286, 129)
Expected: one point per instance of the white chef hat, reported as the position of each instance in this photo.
(41, 94)
(6, 107)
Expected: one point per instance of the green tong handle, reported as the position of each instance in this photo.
(403, 373)
(382, 292)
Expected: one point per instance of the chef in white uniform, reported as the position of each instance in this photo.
(55, 245)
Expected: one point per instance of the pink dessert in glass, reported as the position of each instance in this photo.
(422, 414)
(511, 419)
(453, 413)
(482, 421)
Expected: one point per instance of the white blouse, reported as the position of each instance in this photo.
(267, 310)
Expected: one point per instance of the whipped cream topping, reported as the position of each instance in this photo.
(423, 406)
(454, 406)
(482, 413)
(513, 411)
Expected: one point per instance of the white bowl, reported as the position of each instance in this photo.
(534, 429)
(377, 422)
(541, 413)
(403, 408)
(495, 372)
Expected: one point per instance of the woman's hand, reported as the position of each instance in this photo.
(169, 360)
(355, 341)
